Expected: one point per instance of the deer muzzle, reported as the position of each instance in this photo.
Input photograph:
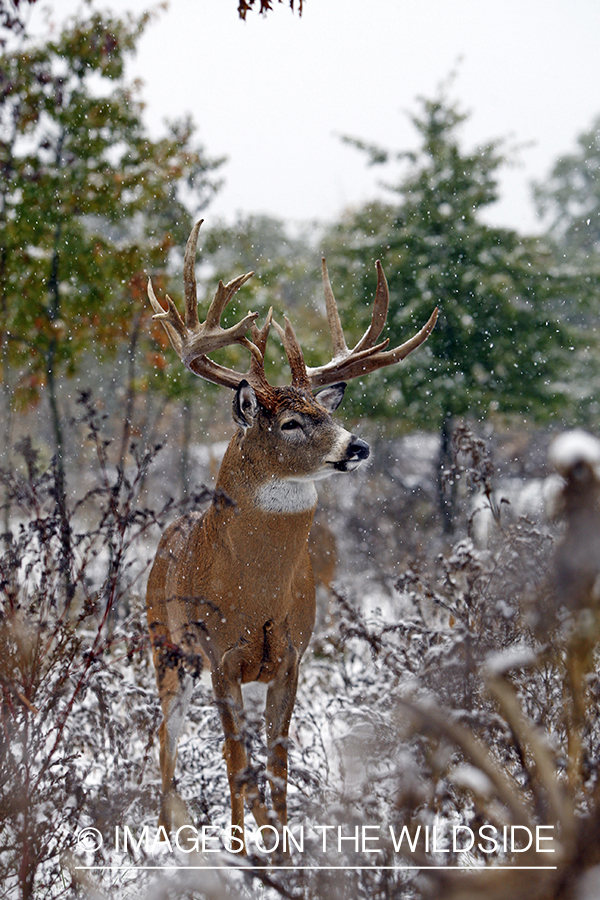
(357, 451)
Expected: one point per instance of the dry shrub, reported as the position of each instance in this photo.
(77, 713)
(471, 700)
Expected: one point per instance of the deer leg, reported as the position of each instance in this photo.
(253, 794)
(281, 695)
(175, 690)
(228, 694)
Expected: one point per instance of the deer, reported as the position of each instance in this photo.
(232, 587)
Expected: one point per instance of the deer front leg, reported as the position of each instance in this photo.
(228, 694)
(281, 696)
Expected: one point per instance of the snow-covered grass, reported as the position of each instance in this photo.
(457, 691)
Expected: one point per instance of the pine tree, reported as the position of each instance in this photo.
(569, 199)
(496, 346)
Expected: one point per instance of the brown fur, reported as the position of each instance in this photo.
(234, 586)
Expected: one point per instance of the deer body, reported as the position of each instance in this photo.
(233, 587)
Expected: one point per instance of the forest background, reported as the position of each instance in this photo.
(90, 205)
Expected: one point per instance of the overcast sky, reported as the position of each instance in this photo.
(274, 93)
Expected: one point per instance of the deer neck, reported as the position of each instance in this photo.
(257, 492)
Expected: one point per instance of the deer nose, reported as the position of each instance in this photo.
(357, 448)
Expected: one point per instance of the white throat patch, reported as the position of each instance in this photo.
(286, 496)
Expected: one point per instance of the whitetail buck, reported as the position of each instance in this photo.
(233, 586)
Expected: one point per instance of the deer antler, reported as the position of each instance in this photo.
(367, 355)
(193, 340)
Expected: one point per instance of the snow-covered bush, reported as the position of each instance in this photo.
(468, 699)
(78, 710)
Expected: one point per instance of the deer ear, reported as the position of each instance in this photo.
(245, 405)
(331, 397)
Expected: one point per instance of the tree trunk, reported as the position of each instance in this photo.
(6, 409)
(186, 439)
(6, 432)
(446, 485)
(56, 420)
(131, 393)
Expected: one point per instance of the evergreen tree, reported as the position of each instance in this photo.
(569, 200)
(496, 346)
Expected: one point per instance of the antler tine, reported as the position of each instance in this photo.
(369, 360)
(223, 295)
(367, 356)
(293, 351)
(193, 340)
(258, 346)
(412, 343)
(260, 335)
(333, 317)
(380, 311)
(189, 278)
(169, 318)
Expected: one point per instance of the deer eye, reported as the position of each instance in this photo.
(290, 425)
